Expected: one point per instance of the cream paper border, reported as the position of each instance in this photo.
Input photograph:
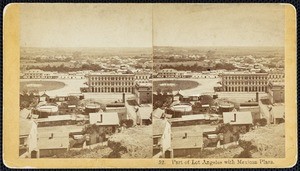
(11, 69)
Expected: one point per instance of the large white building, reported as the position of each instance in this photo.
(111, 82)
(244, 82)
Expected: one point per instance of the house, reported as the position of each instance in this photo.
(104, 118)
(238, 120)
(44, 98)
(161, 139)
(277, 114)
(186, 144)
(120, 108)
(158, 113)
(144, 115)
(228, 135)
(177, 97)
(52, 143)
(210, 137)
(101, 125)
(252, 107)
(27, 138)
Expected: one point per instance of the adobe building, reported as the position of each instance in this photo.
(276, 92)
(143, 93)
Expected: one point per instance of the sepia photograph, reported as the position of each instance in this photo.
(218, 81)
(149, 85)
(85, 82)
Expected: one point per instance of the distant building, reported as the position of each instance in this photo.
(244, 82)
(142, 77)
(38, 74)
(276, 76)
(167, 73)
(111, 83)
(162, 139)
(71, 75)
(143, 93)
(204, 74)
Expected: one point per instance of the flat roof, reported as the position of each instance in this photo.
(190, 118)
(25, 126)
(159, 126)
(242, 118)
(109, 74)
(55, 140)
(193, 140)
(108, 118)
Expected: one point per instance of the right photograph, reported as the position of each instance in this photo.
(218, 81)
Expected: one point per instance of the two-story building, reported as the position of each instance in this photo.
(111, 83)
(143, 93)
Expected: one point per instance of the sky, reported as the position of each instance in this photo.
(218, 25)
(144, 25)
(86, 25)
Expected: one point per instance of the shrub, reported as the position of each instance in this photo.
(244, 154)
(261, 122)
(128, 123)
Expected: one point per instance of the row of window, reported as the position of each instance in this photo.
(245, 77)
(245, 83)
(141, 77)
(112, 83)
(245, 89)
(33, 74)
(112, 89)
(112, 78)
(276, 76)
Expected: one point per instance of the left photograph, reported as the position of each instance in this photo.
(85, 81)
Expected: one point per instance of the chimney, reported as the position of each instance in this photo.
(185, 136)
(256, 96)
(51, 137)
(234, 118)
(123, 100)
(101, 117)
